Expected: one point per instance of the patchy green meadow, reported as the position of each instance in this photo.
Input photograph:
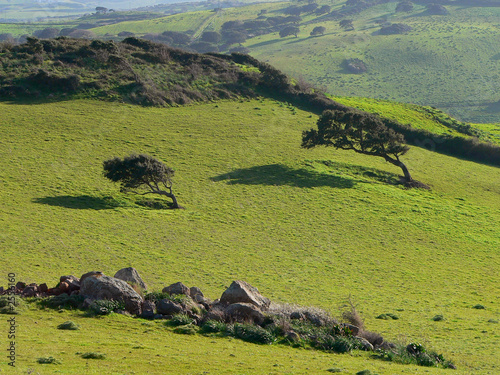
(304, 226)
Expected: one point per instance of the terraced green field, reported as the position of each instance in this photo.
(304, 226)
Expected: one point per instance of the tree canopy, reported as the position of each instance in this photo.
(289, 30)
(141, 174)
(360, 132)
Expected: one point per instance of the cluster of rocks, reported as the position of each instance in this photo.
(240, 302)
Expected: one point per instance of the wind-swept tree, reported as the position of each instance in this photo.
(360, 132)
(141, 174)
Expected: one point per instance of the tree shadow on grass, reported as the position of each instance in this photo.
(82, 202)
(281, 175)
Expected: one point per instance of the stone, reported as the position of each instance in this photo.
(244, 312)
(43, 288)
(106, 287)
(297, 315)
(75, 293)
(148, 310)
(2, 290)
(216, 313)
(364, 343)
(167, 307)
(354, 329)
(29, 291)
(195, 291)
(292, 336)
(20, 285)
(64, 286)
(69, 277)
(242, 292)
(177, 288)
(131, 276)
(88, 274)
(54, 291)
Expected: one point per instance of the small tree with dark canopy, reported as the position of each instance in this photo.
(361, 132)
(141, 174)
(318, 30)
(289, 30)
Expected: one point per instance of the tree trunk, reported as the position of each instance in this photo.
(401, 165)
(171, 196)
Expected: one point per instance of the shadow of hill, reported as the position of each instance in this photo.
(493, 107)
(281, 175)
(83, 202)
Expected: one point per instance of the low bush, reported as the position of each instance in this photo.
(335, 344)
(48, 360)
(213, 326)
(104, 307)
(62, 301)
(187, 329)
(414, 353)
(69, 325)
(253, 333)
(93, 355)
(179, 320)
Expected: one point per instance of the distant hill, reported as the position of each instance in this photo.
(152, 74)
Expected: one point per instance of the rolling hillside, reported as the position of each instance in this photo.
(449, 62)
(308, 227)
(311, 227)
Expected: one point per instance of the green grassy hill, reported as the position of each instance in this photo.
(449, 62)
(304, 226)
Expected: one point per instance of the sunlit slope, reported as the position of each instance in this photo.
(304, 226)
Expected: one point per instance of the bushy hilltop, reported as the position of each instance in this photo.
(147, 73)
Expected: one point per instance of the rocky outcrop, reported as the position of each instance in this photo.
(131, 276)
(177, 288)
(244, 312)
(110, 288)
(242, 292)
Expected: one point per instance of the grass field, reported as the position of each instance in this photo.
(304, 226)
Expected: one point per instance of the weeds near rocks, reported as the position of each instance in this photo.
(180, 320)
(253, 333)
(62, 301)
(187, 329)
(414, 353)
(104, 307)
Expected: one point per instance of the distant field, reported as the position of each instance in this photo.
(304, 226)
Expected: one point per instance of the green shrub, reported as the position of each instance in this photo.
(479, 307)
(63, 301)
(9, 300)
(158, 296)
(104, 307)
(336, 344)
(187, 329)
(93, 355)
(438, 318)
(253, 333)
(69, 325)
(48, 360)
(214, 326)
(387, 316)
(414, 353)
(180, 320)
